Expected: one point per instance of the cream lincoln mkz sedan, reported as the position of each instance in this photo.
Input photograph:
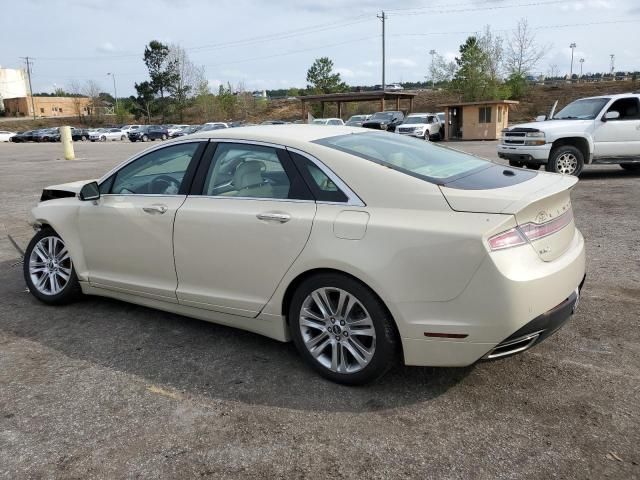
(362, 247)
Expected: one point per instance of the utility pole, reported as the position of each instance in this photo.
(383, 17)
(572, 47)
(613, 62)
(581, 62)
(432, 52)
(115, 92)
(33, 106)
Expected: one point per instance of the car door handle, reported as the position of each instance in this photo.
(274, 217)
(155, 209)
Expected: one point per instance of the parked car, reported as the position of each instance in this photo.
(274, 122)
(174, 129)
(394, 87)
(422, 125)
(22, 137)
(486, 260)
(357, 120)
(6, 136)
(384, 121)
(45, 135)
(104, 134)
(187, 131)
(328, 121)
(148, 132)
(79, 134)
(127, 128)
(594, 130)
(213, 126)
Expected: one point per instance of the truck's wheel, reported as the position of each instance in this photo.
(566, 159)
(632, 167)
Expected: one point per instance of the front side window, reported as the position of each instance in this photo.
(408, 155)
(628, 108)
(157, 173)
(247, 171)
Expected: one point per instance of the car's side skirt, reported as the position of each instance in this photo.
(272, 326)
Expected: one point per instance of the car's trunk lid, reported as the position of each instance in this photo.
(540, 202)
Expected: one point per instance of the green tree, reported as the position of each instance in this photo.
(162, 70)
(142, 104)
(321, 79)
(471, 77)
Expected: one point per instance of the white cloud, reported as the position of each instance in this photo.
(590, 4)
(106, 47)
(403, 62)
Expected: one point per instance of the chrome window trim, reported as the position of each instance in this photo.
(140, 195)
(260, 199)
(352, 198)
(146, 151)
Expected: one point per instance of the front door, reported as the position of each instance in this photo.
(235, 240)
(127, 235)
(619, 137)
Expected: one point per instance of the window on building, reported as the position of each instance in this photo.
(41, 110)
(59, 110)
(485, 115)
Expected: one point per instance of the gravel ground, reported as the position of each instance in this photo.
(103, 389)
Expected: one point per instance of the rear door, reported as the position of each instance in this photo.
(249, 218)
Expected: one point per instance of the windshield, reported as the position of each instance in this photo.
(357, 118)
(414, 120)
(408, 155)
(586, 109)
(320, 121)
(382, 116)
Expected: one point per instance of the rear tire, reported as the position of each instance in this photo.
(164, 137)
(566, 159)
(349, 337)
(123, 138)
(48, 269)
(145, 138)
(631, 167)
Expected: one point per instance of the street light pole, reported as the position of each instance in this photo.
(581, 62)
(115, 92)
(572, 47)
(432, 53)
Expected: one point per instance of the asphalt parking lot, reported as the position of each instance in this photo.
(104, 389)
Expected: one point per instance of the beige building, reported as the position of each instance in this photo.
(476, 120)
(47, 106)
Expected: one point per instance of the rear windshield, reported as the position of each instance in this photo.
(408, 155)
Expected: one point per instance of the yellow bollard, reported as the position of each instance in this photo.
(67, 143)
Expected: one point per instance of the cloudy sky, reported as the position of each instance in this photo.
(272, 44)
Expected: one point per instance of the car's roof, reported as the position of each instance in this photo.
(289, 134)
(613, 96)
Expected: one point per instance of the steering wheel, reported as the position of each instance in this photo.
(164, 184)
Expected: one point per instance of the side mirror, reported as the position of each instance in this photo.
(91, 191)
(611, 116)
(541, 118)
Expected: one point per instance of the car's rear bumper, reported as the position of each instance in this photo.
(511, 294)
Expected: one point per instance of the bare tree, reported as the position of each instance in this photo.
(189, 77)
(75, 89)
(441, 70)
(92, 90)
(523, 53)
(492, 47)
(554, 70)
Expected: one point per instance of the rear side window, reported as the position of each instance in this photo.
(414, 157)
(322, 187)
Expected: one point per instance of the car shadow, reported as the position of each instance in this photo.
(196, 358)
(603, 174)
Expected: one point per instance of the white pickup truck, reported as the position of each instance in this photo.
(604, 130)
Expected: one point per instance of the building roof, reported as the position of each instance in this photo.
(483, 102)
(357, 96)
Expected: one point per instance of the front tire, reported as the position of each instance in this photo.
(145, 138)
(48, 269)
(164, 137)
(342, 329)
(566, 159)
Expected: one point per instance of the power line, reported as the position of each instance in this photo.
(429, 10)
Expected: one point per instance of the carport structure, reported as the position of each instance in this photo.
(373, 96)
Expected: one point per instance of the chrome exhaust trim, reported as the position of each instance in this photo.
(513, 346)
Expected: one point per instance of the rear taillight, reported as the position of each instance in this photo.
(529, 232)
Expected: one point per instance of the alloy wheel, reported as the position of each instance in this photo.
(50, 266)
(566, 163)
(337, 330)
